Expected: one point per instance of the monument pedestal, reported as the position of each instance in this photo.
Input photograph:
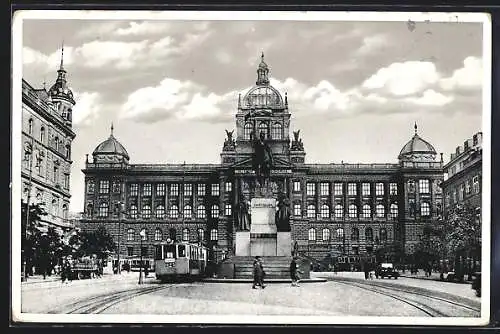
(284, 244)
(242, 243)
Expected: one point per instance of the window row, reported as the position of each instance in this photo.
(338, 188)
(160, 212)
(424, 186)
(276, 130)
(54, 142)
(160, 188)
(172, 234)
(352, 211)
(459, 193)
(338, 234)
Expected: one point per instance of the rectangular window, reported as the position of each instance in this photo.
(227, 209)
(351, 189)
(188, 189)
(104, 187)
(130, 251)
(393, 188)
(134, 189)
(174, 189)
(379, 189)
(467, 187)
(475, 184)
(160, 189)
(423, 186)
(324, 189)
(297, 210)
(56, 175)
(338, 189)
(311, 189)
(66, 181)
(296, 186)
(228, 187)
(201, 189)
(461, 193)
(215, 189)
(146, 189)
(213, 234)
(365, 189)
(116, 187)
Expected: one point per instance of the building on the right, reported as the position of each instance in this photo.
(462, 183)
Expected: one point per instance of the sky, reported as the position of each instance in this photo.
(170, 87)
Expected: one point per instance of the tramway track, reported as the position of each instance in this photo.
(399, 294)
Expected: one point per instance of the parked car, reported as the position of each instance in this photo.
(476, 283)
(386, 270)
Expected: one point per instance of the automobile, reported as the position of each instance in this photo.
(386, 270)
(476, 283)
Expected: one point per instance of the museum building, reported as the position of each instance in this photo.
(336, 210)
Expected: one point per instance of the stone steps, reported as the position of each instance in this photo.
(276, 267)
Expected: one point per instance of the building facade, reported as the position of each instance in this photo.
(47, 136)
(464, 176)
(338, 209)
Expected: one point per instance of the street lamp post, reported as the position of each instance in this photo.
(28, 158)
(121, 206)
(142, 235)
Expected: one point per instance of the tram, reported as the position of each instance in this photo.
(180, 261)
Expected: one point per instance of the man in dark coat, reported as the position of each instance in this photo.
(294, 272)
(258, 273)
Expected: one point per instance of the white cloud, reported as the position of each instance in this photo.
(143, 28)
(403, 78)
(470, 76)
(87, 107)
(121, 55)
(431, 98)
(372, 43)
(223, 56)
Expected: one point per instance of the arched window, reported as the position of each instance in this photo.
(369, 234)
(65, 211)
(276, 131)
(326, 234)
(185, 234)
(90, 210)
(158, 235)
(54, 207)
(247, 130)
(340, 233)
(215, 211)
(263, 128)
(425, 209)
(200, 211)
(103, 210)
(394, 210)
(201, 234)
(146, 211)
(353, 211)
(188, 211)
(312, 234)
(56, 143)
(383, 234)
(174, 211)
(130, 234)
(144, 235)
(172, 233)
(68, 151)
(30, 126)
(339, 211)
(325, 211)
(367, 212)
(311, 211)
(355, 234)
(380, 210)
(160, 211)
(42, 134)
(133, 211)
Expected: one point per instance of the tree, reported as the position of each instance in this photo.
(98, 242)
(30, 232)
(430, 247)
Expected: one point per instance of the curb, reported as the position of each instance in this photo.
(267, 281)
(434, 279)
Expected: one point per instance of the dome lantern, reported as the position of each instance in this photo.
(262, 73)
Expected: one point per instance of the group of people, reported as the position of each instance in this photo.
(259, 273)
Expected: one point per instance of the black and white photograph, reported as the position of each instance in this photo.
(239, 167)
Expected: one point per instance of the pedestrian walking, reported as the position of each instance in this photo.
(258, 273)
(294, 272)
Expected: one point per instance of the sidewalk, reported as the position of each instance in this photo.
(433, 277)
(55, 280)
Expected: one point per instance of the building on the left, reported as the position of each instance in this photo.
(47, 136)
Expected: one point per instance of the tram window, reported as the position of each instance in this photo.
(181, 251)
(170, 251)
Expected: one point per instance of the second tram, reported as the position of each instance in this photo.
(180, 261)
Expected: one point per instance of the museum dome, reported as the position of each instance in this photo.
(263, 95)
(111, 147)
(417, 148)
